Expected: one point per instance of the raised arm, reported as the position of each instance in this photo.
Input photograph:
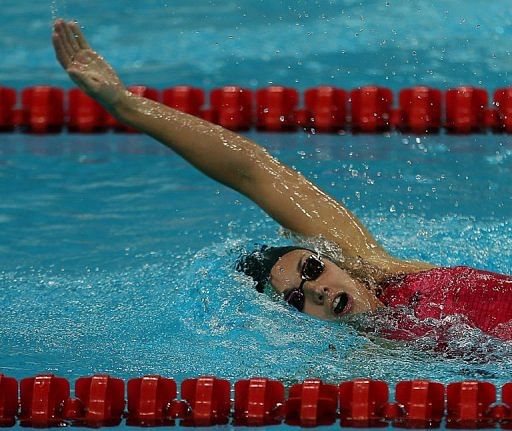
(231, 159)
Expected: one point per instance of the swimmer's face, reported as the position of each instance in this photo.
(330, 293)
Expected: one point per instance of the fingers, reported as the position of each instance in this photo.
(68, 41)
(63, 40)
(79, 37)
(60, 51)
(70, 36)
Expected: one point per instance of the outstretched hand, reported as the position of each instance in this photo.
(84, 66)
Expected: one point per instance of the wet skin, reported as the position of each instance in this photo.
(321, 293)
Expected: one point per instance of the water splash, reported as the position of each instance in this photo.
(56, 11)
(153, 319)
(144, 313)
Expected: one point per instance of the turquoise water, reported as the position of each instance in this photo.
(347, 43)
(117, 257)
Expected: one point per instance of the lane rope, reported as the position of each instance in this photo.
(324, 109)
(102, 400)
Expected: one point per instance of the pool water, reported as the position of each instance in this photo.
(118, 257)
(207, 43)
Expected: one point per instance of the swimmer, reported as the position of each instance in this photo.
(366, 279)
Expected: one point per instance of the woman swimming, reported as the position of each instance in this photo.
(324, 286)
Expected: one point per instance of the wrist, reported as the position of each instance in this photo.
(120, 103)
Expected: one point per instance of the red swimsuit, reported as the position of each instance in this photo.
(482, 298)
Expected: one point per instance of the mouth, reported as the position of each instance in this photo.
(342, 304)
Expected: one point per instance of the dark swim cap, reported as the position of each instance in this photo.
(259, 263)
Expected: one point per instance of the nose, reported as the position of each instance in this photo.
(317, 292)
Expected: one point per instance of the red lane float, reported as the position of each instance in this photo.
(45, 401)
(185, 99)
(312, 403)
(149, 401)
(324, 110)
(276, 109)
(419, 110)
(102, 397)
(231, 107)
(8, 401)
(502, 100)
(503, 412)
(465, 110)
(85, 115)
(371, 109)
(7, 103)
(363, 403)
(42, 109)
(422, 404)
(469, 404)
(42, 400)
(258, 402)
(208, 399)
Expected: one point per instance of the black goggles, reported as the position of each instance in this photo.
(311, 269)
